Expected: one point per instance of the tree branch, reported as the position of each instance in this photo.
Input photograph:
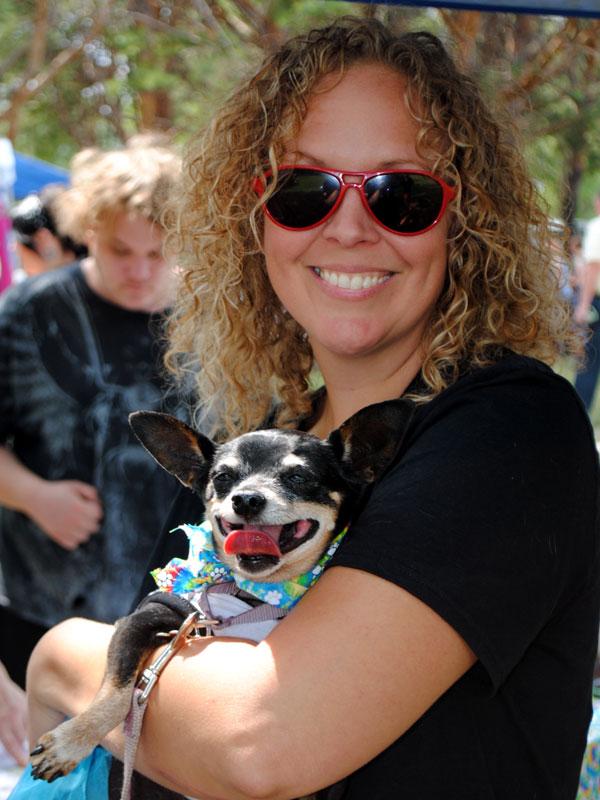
(32, 85)
(538, 69)
(159, 25)
(208, 18)
(260, 28)
(464, 27)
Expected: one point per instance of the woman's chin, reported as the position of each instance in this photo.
(348, 344)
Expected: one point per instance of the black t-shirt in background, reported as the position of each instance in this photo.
(72, 368)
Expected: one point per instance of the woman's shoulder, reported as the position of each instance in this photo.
(515, 405)
(512, 433)
(505, 367)
(513, 379)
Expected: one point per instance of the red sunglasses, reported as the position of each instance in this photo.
(404, 201)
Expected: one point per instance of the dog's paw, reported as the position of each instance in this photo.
(55, 754)
(45, 763)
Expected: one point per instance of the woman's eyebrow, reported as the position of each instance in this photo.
(299, 156)
(394, 163)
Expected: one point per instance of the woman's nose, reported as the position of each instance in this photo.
(351, 223)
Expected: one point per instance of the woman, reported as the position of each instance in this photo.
(448, 651)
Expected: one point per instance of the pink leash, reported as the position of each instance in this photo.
(139, 700)
(196, 624)
(133, 729)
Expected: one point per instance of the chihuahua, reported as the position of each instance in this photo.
(275, 500)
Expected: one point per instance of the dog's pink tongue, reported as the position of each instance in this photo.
(251, 542)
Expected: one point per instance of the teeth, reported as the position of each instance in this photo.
(354, 282)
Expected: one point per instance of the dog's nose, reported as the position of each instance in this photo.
(248, 503)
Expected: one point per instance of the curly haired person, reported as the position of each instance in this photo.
(356, 208)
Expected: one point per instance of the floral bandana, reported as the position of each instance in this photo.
(202, 567)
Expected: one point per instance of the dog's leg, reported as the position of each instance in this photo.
(59, 751)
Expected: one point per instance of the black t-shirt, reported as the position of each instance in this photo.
(489, 516)
(72, 368)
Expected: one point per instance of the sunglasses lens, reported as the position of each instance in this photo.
(303, 197)
(405, 202)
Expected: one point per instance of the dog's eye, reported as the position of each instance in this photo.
(222, 480)
(298, 477)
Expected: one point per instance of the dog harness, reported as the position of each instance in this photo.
(212, 601)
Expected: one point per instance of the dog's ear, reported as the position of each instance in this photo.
(367, 442)
(180, 450)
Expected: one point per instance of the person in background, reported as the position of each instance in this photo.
(562, 259)
(80, 348)
(6, 265)
(587, 311)
(13, 718)
(356, 206)
(8, 177)
(40, 245)
(576, 256)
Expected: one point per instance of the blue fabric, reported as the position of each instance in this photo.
(88, 781)
(33, 174)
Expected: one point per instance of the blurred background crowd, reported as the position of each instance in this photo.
(96, 101)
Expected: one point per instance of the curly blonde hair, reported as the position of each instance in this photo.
(135, 179)
(228, 328)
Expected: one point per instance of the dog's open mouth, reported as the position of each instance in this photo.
(255, 542)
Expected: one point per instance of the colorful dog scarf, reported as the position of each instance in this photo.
(202, 567)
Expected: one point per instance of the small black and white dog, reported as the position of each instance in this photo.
(275, 500)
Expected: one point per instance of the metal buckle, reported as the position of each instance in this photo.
(195, 625)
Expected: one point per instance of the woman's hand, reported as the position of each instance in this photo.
(13, 718)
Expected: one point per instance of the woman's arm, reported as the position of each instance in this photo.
(353, 667)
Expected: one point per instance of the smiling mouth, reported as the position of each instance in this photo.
(353, 281)
(257, 546)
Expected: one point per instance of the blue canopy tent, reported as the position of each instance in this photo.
(564, 8)
(33, 173)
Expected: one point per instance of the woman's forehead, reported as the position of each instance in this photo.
(360, 115)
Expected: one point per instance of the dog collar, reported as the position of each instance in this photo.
(203, 567)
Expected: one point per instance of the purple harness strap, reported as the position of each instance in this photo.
(260, 613)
